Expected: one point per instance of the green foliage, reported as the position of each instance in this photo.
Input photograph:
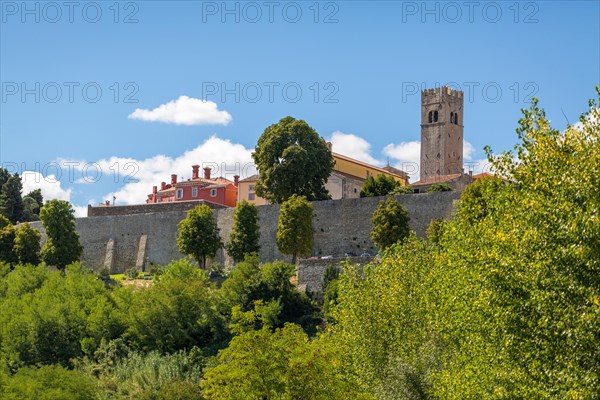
(402, 190)
(31, 209)
(440, 187)
(51, 318)
(4, 222)
(125, 374)
(27, 245)
(176, 312)
(245, 232)
(8, 235)
(477, 198)
(507, 305)
(294, 229)
(284, 364)
(292, 160)
(264, 296)
(390, 223)
(199, 234)
(435, 230)
(62, 245)
(11, 203)
(51, 382)
(381, 186)
(382, 325)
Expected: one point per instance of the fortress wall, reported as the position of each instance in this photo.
(340, 226)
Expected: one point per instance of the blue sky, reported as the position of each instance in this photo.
(359, 66)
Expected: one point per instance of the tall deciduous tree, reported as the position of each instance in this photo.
(245, 232)
(27, 245)
(11, 202)
(62, 245)
(292, 159)
(390, 223)
(294, 230)
(199, 234)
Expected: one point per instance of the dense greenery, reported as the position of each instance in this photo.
(292, 159)
(13, 205)
(501, 302)
(62, 245)
(245, 232)
(504, 303)
(199, 234)
(381, 186)
(294, 229)
(390, 223)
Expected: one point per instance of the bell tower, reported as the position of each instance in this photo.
(441, 132)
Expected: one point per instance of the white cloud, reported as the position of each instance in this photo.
(184, 111)
(50, 186)
(222, 156)
(353, 146)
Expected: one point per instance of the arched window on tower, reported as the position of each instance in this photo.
(451, 117)
(430, 116)
(435, 116)
(456, 118)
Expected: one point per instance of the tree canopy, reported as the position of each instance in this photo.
(381, 186)
(292, 159)
(390, 223)
(199, 234)
(62, 246)
(245, 232)
(294, 229)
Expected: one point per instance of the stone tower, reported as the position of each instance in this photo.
(441, 132)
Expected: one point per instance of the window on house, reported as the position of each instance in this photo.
(251, 188)
(194, 192)
(159, 200)
(251, 196)
(213, 192)
(180, 193)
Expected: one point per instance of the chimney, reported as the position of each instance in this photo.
(173, 179)
(206, 173)
(195, 169)
(236, 179)
(154, 189)
(330, 146)
(163, 185)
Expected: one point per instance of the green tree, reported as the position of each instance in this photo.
(381, 186)
(285, 364)
(245, 232)
(390, 223)
(37, 196)
(292, 159)
(440, 187)
(31, 209)
(199, 234)
(7, 241)
(294, 229)
(51, 382)
(62, 245)
(259, 293)
(477, 200)
(11, 202)
(177, 312)
(27, 245)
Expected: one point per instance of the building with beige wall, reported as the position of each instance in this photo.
(345, 182)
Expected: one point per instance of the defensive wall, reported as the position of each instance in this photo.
(123, 240)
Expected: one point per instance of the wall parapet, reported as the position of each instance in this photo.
(149, 208)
